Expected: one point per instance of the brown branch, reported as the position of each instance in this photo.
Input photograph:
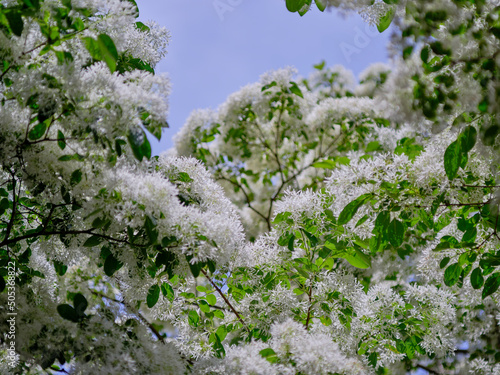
(66, 37)
(309, 294)
(225, 299)
(267, 219)
(481, 186)
(456, 204)
(52, 140)
(139, 315)
(13, 215)
(52, 233)
(428, 369)
(5, 72)
(34, 48)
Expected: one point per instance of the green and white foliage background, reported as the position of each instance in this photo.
(319, 225)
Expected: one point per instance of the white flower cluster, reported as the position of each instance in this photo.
(293, 349)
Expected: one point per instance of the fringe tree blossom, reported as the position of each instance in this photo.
(306, 226)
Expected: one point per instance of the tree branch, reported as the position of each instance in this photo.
(13, 215)
(267, 219)
(428, 369)
(52, 233)
(225, 299)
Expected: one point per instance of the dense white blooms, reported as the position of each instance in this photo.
(296, 351)
(306, 226)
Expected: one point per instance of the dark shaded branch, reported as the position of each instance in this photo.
(14, 206)
(456, 204)
(225, 299)
(141, 318)
(6, 241)
(428, 369)
(139, 315)
(481, 186)
(247, 197)
(5, 72)
(308, 319)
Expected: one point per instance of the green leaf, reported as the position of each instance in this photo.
(92, 47)
(468, 138)
(386, 20)
(325, 164)
(204, 307)
(60, 268)
(193, 318)
(221, 333)
(195, 268)
(61, 141)
(377, 243)
(295, 5)
(321, 5)
(184, 177)
(358, 259)
(167, 291)
(476, 278)
(470, 235)
(142, 26)
(15, 21)
(269, 354)
(118, 145)
(424, 54)
(136, 7)
(350, 210)
(296, 90)
(38, 131)
(396, 233)
(108, 51)
(92, 241)
(153, 295)
(452, 159)
(282, 216)
(201, 289)
(305, 9)
(363, 348)
(372, 359)
(71, 157)
(211, 299)
(76, 177)
(269, 85)
(320, 66)
(312, 239)
(373, 146)
(211, 265)
(491, 285)
(444, 262)
(111, 265)
(99, 223)
(80, 303)
(151, 230)
(452, 274)
(140, 144)
(68, 312)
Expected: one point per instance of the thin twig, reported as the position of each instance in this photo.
(52, 233)
(428, 369)
(225, 299)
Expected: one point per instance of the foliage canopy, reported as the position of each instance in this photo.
(307, 226)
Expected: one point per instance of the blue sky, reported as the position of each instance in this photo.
(218, 46)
